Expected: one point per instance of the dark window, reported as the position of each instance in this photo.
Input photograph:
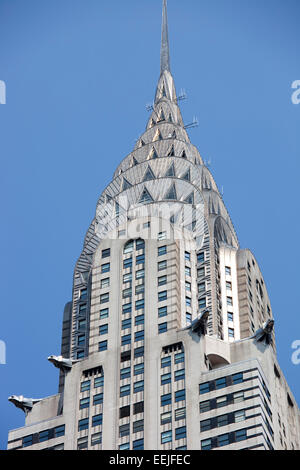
(106, 253)
(124, 430)
(97, 420)
(138, 407)
(138, 426)
(124, 411)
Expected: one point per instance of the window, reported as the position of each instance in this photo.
(180, 433)
(139, 304)
(166, 361)
(85, 386)
(124, 412)
(206, 444)
(229, 301)
(125, 390)
(166, 399)
(200, 257)
(106, 253)
(179, 374)
(237, 378)
(96, 439)
(162, 296)
(140, 274)
(125, 446)
(223, 440)
(124, 430)
(81, 340)
(205, 425)
(179, 357)
(222, 420)
(83, 294)
(166, 378)
(80, 354)
(103, 329)
(138, 386)
(127, 278)
(138, 407)
(239, 416)
(240, 435)
(127, 293)
(162, 236)
(28, 441)
(82, 443)
(98, 399)
(125, 356)
(138, 445)
(139, 369)
(140, 259)
(188, 271)
(84, 403)
(140, 244)
(126, 308)
(97, 420)
(127, 263)
(139, 320)
(126, 324)
(139, 352)
(228, 285)
(231, 332)
(162, 312)
(201, 272)
(126, 339)
(125, 373)
(138, 426)
(105, 268)
(205, 406)
(103, 346)
(104, 313)
(221, 383)
(83, 424)
(204, 388)
(162, 265)
(187, 256)
(166, 437)
(221, 401)
(180, 414)
(227, 270)
(139, 289)
(81, 324)
(201, 287)
(128, 248)
(238, 397)
(44, 436)
(188, 286)
(188, 317)
(230, 316)
(166, 418)
(162, 328)
(104, 298)
(99, 382)
(139, 335)
(180, 395)
(82, 309)
(59, 431)
(188, 301)
(162, 250)
(162, 281)
(202, 303)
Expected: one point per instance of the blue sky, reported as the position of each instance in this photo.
(78, 75)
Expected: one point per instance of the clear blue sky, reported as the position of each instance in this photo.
(79, 74)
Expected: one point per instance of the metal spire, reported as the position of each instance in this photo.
(165, 49)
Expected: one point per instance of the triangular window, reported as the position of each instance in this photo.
(145, 197)
(134, 161)
(151, 124)
(126, 184)
(163, 91)
(190, 199)
(152, 154)
(174, 136)
(170, 118)
(172, 152)
(157, 136)
(187, 176)
(149, 175)
(171, 194)
(171, 171)
(161, 116)
(183, 154)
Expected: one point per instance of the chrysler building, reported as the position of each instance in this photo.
(168, 342)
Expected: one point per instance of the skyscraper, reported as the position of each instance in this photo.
(168, 342)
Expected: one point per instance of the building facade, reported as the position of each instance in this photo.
(168, 342)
